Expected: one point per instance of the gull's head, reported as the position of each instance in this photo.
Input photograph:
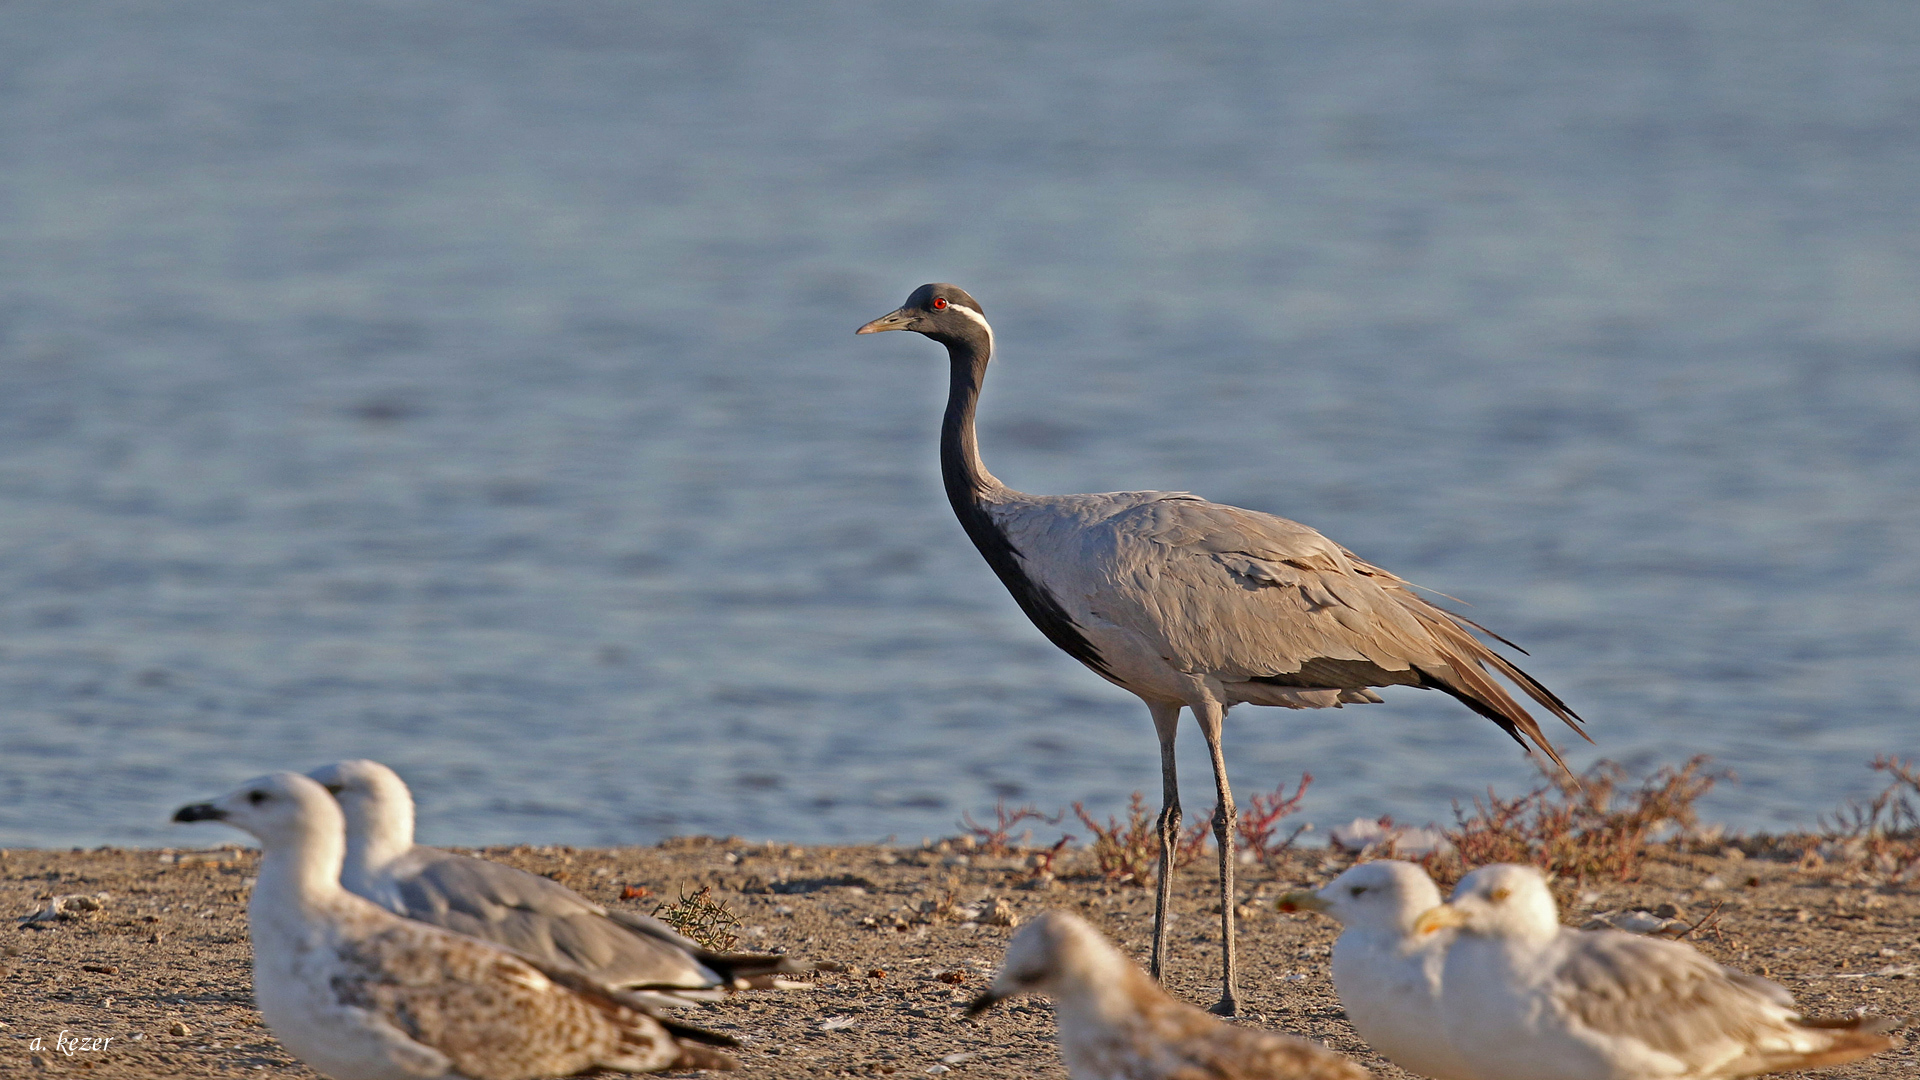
(1053, 952)
(378, 809)
(1382, 896)
(367, 790)
(280, 808)
(941, 311)
(1505, 900)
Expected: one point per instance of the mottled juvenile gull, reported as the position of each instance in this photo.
(1525, 998)
(1117, 1024)
(362, 994)
(530, 914)
(1388, 975)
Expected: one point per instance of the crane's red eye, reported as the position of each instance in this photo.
(939, 303)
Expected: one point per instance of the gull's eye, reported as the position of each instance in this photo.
(939, 303)
(1357, 890)
(1498, 895)
(256, 797)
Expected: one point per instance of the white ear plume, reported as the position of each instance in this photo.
(976, 317)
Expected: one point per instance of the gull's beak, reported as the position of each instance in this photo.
(897, 319)
(1438, 918)
(1301, 901)
(200, 811)
(986, 1000)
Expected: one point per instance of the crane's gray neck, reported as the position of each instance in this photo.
(967, 479)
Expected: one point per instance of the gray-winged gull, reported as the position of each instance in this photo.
(1525, 998)
(1388, 976)
(533, 915)
(1117, 1024)
(362, 994)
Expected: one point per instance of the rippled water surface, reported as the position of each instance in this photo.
(471, 385)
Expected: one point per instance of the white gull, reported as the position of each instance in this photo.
(1117, 1024)
(362, 994)
(532, 915)
(1525, 998)
(1388, 975)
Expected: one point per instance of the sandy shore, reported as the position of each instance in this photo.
(162, 968)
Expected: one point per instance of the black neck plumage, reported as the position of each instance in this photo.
(968, 486)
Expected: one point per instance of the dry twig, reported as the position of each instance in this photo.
(1576, 827)
(701, 918)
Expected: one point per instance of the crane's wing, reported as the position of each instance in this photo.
(1245, 596)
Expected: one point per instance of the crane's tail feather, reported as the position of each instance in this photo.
(1457, 617)
(1465, 667)
(1468, 678)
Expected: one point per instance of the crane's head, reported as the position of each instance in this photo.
(943, 312)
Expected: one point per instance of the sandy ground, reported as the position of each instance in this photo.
(162, 968)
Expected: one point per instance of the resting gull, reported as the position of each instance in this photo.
(532, 915)
(1526, 998)
(362, 994)
(1117, 1024)
(1389, 976)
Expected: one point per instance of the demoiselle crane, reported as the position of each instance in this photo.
(1185, 602)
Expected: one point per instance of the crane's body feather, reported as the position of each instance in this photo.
(1168, 588)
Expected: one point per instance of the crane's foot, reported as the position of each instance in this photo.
(1226, 1006)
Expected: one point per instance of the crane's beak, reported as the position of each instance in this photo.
(203, 811)
(897, 319)
(1438, 918)
(1301, 901)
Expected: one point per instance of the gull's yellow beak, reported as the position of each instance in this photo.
(1301, 901)
(1438, 918)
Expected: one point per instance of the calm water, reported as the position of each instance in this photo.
(471, 385)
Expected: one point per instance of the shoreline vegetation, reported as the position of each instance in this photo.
(134, 962)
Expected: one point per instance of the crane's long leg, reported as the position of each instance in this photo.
(1225, 817)
(1166, 724)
